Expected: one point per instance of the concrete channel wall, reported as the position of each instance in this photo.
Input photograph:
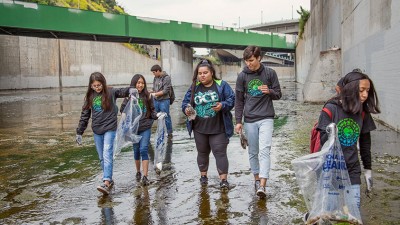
(352, 34)
(28, 62)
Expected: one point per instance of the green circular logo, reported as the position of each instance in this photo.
(349, 131)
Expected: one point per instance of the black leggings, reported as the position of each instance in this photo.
(218, 144)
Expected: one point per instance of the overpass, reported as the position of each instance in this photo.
(31, 19)
(282, 26)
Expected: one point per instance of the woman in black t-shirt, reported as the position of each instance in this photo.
(351, 112)
(212, 100)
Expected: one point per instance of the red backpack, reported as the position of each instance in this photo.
(315, 141)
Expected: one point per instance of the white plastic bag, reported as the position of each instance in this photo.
(126, 134)
(160, 143)
(325, 183)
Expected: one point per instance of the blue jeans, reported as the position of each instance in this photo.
(163, 106)
(259, 136)
(104, 146)
(141, 149)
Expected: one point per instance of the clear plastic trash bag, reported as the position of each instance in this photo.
(192, 112)
(126, 134)
(325, 184)
(160, 142)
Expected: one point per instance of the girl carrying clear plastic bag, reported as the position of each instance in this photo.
(147, 118)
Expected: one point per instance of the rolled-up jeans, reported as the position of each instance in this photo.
(141, 149)
(163, 106)
(104, 146)
(259, 136)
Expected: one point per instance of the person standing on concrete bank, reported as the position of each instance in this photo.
(351, 112)
(161, 92)
(210, 119)
(141, 149)
(256, 87)
(100, 104)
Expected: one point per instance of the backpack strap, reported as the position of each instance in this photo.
(327, 111)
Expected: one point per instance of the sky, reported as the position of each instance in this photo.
(228, 13)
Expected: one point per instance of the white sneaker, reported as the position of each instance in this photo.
(261, 192)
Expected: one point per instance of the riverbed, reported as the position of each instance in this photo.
(48, 179)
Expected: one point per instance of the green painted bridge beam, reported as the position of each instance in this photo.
(31, 19)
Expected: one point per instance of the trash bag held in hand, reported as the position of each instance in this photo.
(243, 140)
(160, 142)
(325, 183)
(126, 134)
(192, 112)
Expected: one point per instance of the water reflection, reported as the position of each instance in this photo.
(164, 190)
(142, 209)
(222, 206)
(107, 212)
(259, 211)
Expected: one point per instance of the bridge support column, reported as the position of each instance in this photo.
(177, 61)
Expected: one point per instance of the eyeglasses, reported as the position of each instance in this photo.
(97, 86)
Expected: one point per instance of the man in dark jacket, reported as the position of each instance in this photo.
(256, 87)
(161, 93)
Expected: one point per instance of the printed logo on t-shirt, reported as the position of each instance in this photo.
(142, 105)
(204, 102)
(97, 103)
(349, 131)
(252, 87)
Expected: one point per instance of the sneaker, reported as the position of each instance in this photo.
(203, 180)
(138, 176)
(111, 184)
(145, 181)
(104, 189)
(224, 184)
(256, 185)
(305, 218)
(261, 192)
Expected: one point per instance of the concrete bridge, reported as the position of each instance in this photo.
(175, 38)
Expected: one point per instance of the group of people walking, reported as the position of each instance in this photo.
(213, 99)
(100, 104)
(208, 103)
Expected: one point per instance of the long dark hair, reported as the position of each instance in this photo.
(146, 93)
(203, 63)
(350, 94)
(105, 100)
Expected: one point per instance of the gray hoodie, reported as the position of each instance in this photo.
(162, 83)
(250, 102)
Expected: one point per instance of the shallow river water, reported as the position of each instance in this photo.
(47, 179)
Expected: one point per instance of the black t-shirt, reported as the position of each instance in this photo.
(350, 126)
(207, 120)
